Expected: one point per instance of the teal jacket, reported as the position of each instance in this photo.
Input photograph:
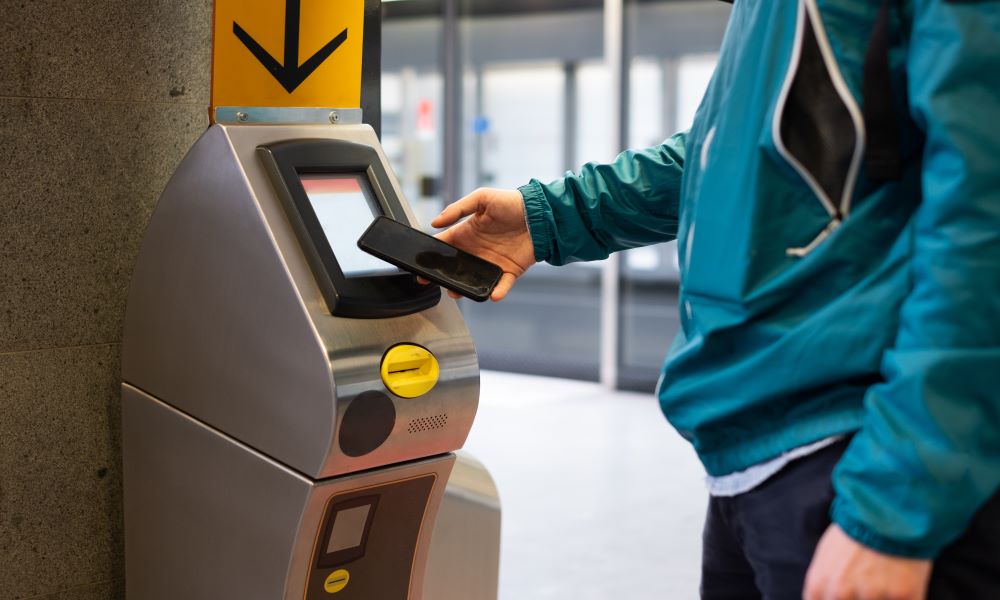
(816, 298)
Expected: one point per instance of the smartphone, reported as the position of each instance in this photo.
(425, 255)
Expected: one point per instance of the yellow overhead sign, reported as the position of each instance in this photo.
(288, 53)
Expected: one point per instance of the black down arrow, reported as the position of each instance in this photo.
(291, 74)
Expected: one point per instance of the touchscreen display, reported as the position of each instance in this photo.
(344, 206)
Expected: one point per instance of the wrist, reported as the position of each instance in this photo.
(538, 219)
(844, 517)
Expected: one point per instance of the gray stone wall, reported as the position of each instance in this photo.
(99, 100)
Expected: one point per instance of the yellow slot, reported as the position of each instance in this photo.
(410, 371)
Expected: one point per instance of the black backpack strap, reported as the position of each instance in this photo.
(882, 157)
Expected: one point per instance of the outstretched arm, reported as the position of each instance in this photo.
(633, 201)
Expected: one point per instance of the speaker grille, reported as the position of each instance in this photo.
(427, 423)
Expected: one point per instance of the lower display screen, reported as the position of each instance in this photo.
(345, 207)
(348, 528)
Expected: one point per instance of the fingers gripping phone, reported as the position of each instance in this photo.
(428, 257)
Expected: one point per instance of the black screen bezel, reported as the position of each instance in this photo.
(326, 560)
(373, 296)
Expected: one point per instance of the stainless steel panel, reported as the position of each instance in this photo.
(214, 325)
(204, 518)
(226, 322)
(207, 517)
(464, 557)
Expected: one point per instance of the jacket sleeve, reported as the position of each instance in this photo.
(928, 454)
(630, 202)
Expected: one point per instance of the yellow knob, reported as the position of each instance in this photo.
(410, 371)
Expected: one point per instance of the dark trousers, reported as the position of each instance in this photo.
(758, 545)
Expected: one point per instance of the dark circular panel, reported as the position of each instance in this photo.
(367, 423)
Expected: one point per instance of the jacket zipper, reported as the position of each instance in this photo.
(838, 212)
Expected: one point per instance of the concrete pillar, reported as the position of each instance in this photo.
(99, 101)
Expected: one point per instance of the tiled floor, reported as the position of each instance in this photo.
(601, 499)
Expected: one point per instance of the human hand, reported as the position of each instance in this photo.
(843, 569)
(496, 231)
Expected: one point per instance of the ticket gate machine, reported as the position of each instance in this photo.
(290, 404)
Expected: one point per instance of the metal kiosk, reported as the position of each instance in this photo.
(291, 404)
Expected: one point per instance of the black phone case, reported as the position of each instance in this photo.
(451, 284)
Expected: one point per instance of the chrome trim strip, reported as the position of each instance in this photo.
(236, 115)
